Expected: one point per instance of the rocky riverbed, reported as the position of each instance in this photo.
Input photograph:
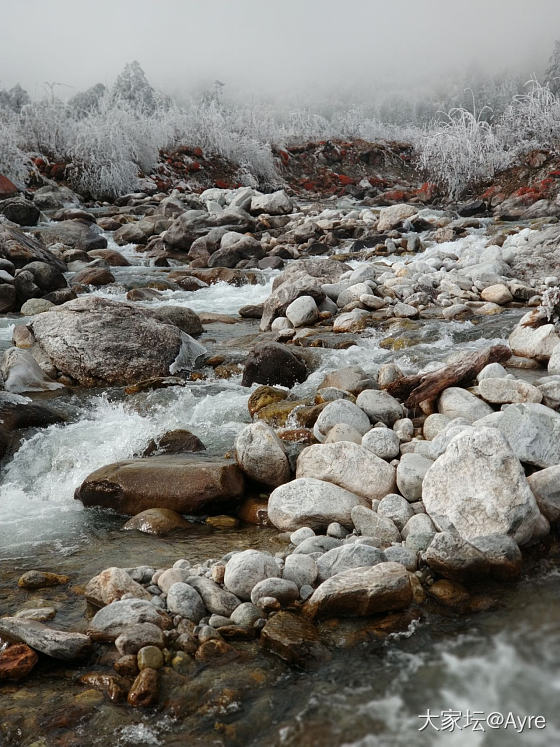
(275, 471)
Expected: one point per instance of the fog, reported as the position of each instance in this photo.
(282, 48)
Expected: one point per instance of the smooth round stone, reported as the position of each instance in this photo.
(301, 569)
(383, 442)
(303, 533)
(403, 555)
(245, 615)
(282, 589)
(396, 508)
(336, 530)
(150, 657)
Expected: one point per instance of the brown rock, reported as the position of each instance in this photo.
(297, 435)
(215, 650)
(7, 188)
(112, 257)
(109, 586)
(263, 396)
(16, 662)
(449, 593)
(157, 521)
(362, 591)
(222, 521)
(292, 638)
(144, 690)
(178, 441)
(180, 483)
(276, 414)
(41, 579)
(112, 685)
(126, 666)
(254, 511)
(93, 276)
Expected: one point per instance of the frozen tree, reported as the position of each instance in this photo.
(133, 87)
(88, 101)
(552, 75)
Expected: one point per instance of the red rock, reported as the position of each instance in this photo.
(7, 188)
(16, 662)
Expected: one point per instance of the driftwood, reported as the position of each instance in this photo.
(421, 387)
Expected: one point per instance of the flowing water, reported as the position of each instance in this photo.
(504, 659)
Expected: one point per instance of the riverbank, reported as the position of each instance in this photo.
(361, 501)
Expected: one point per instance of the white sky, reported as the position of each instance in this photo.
(268, 46)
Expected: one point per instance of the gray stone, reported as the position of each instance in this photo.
(478, 487)
(216, 600)
(172, 576)
(282, 589)
(418, 524)
(396, 508)
(183, 600)
(261, 455)
(135, 637)
(113, 619)
(301, 534)
(303, 311)
(57, 644)
(301, 569)
(345, 557)
(245, 569)
(245, 615)
(532, 430)
(349, 466)
(503, 390)
(403, 555)
(308, 502)
(383, 442)
(340, 411)
(110, 585)
(317, 545)
(382, 529)
(459, 403)
(545, 485)
(410, 474)
(380, 406)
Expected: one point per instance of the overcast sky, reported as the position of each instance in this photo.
(273, 46)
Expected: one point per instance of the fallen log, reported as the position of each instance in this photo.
(420, 387)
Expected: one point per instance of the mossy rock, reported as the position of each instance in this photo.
(264, 396)
(397, 343)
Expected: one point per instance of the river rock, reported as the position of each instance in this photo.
(396, 508)
(20, 249)
(245, 569)
(349, 466)
(478, 487)
(293, 638)
(502, 555)
(380, 406)
(183, 600)
(340, 411)
(419, 524)
(345, 557)
(275, 203)
(182, 483)
(301, 569)
(343, 432)
(309, 502)
(167, 578)
(22, 373)
(246, 615)
(41, 580)
(16, 662)
(134, 637)
(533, 342)
(554, 362)
(57, 644)
(319, 544)
(144, 690)
(381, 530)
(261, 455)
(453, 557)
(303, 311)
(506, 391)
(180, 316)
(282, 589)
(459, 403)
(75, 233)
(351, 379)
(273, 363)
(110, 621)
(393, 216)
(410, 475)
(383, 442)
(157, 521)
(532, 430)
(545, 485)
(110, 585)
(360, 592)
(99, 341)
(217, 601)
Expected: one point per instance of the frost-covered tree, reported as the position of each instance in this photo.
(88, 101)
(552, 75)
(14, 99)
(132, 87)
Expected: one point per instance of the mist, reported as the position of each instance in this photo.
(282, 50)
